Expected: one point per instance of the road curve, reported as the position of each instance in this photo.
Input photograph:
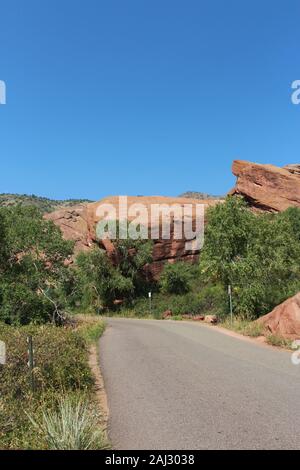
(178, 385)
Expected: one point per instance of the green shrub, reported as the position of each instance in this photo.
(208, 300)
(61, 369)
(60, 356)
(212, 299)
(175, 278)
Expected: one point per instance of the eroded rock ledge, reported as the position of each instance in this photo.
(267, 187)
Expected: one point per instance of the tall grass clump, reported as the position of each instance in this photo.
(73, 426)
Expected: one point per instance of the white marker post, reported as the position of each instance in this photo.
(30, 363)
(150, 298)
(230, 303)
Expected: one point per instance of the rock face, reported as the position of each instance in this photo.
(79, 224)
(267, 187)
(74, 224)
(284, 320)
(294, 169)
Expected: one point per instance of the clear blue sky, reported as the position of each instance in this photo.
(145, 96)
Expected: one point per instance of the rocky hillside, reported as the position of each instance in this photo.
(44, 204)
(198, 195)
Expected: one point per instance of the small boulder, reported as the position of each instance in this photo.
(167, 314)
(284, 320)
(211, 319)
(198, 317)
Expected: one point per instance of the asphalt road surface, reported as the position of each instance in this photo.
(180, 385)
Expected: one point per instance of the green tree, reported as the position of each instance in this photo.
(99, 283)
(132, 256)
(102, 280)
(259, 255)
(227, 233)
(31, 287)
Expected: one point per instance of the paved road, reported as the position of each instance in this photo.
(177, 385)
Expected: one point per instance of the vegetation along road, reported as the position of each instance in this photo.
(185, 386)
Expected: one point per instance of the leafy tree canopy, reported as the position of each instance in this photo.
(32, 266)
(258, 254)
(100, 281)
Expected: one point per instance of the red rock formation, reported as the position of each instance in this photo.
(267, 187)
(74, 224)
(284, 320)
(79, 224)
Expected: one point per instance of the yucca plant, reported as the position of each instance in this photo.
(72, 427)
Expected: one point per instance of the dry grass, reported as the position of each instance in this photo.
(243, 326)
(254, 330)
(279, 341)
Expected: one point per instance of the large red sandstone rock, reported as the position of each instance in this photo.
(79, 224)
(267, 187)
(284, 320)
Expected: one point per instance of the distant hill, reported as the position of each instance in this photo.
(198, 195)
(43, 203)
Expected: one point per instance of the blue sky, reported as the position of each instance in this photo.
(145, 96)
